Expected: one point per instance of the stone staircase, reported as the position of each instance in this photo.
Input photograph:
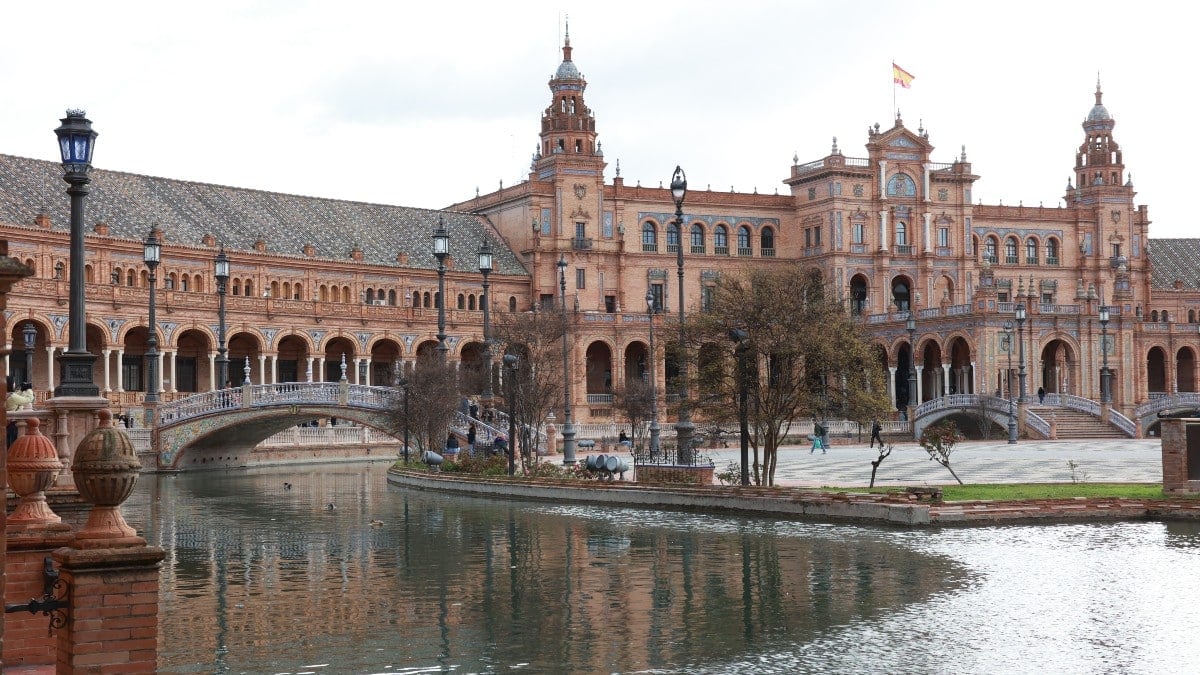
(1075, 424)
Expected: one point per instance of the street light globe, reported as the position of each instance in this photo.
(678, 186)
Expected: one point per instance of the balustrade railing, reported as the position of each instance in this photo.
(1122, 422)
(1035, 422)
(1160, 401)
(1079, 403)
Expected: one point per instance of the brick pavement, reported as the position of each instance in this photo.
(1033, 461)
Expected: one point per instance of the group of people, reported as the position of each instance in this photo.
(820, 436)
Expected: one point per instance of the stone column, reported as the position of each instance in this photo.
(883, 233)
(120, 370)
(368, 382)
(308, 372)
(946, 380)
(51, 382)
(213, 385)
(928, 238)
(892, 386)
(107, 367)
(262, 369)
(320, 372)
(920, 381)
(174, 372)
(974, 382)
(274, 368)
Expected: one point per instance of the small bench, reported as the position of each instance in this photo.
(917, 492)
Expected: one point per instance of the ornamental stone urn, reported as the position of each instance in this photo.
(33, 467)
(106, 468)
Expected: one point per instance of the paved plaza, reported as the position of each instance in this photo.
(1032, 461)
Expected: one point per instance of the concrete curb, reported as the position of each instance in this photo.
(798, 503)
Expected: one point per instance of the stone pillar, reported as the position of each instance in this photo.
(120, 361)
(320, 369)
(892, 386)
(946, 380)
(368, 371)
(174, 372)
(107, 368)
(213, 385)
(274, 368)
(262, 369)
(51, 382)
(920, 381)
(883, 233)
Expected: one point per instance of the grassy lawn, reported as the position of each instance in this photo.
(1047, 491)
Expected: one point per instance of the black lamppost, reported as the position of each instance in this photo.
(76, 140)
(911, 325)
(441, 248)
(568, 430)
(403, 383)
(510, 385)
(29, 333)
(485, 268)
(151, 254)
(1012, 419)
(1021, 349)
(684, 429)
(1105, 375)
(221, 271)
(655, 430)
(742, 340)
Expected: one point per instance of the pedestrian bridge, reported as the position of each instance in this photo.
(237, 419)
(1181, 402)
(997, 409)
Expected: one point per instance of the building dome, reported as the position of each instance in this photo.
(1098, 114)
(567, 71)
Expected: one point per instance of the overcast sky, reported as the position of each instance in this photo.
(417, 104)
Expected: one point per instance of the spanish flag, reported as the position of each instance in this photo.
(901, 76)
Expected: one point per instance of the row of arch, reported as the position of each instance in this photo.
(698, 236)
(1164, 316)
(1012, 249)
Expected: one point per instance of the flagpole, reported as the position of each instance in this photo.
(893, 88)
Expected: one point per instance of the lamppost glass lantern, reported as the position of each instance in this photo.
(76, 140)
(1105, 375)
(441, 240)
(678, 186)
(485, 257)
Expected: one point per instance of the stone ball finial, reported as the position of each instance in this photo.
(106, 468)
(33, 467)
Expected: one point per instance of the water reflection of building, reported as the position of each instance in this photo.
(466, 581)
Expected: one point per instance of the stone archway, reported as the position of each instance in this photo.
(1059, 370)
(192, 362)
(292, 361)
(962, 376)
(1156, 371)
(599, 369)
(931, 373)
(1185, 370)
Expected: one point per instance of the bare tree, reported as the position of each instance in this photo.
(635, 404)
(808, 357)
(883, 454)
(536, 338)
(432, 396)
(939, 440)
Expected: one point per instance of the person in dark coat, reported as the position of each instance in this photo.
(452, 445)
(876, 429)
(471, 439)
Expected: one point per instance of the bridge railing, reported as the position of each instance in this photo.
(1037, 423)
(1156, 405)
(1079, 403)
(1122, 422)
(200, 404)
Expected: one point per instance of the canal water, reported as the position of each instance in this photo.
(327, 569)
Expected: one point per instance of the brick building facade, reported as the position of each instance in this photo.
(893, 228)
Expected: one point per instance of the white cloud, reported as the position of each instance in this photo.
(419, 104)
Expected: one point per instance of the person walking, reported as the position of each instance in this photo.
(1041, 395)
(471, 439)
(876, 429)
(818, 438)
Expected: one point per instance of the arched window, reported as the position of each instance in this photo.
(88, 275)
(901, 233)
(901, 185)
(346, 294)
(1031, 251)
(462, 301)
(1154, 316)
(249, 290)
(721, 240)
(1191, 316)
(697, 238)
(130, 276)
(900, 295)
(649, 236)
(743, 239)
(416, 299)
(672, 237)
(1052, 251)
(1164, 316)
(1010, 251)
(184, 283)
(512, 303)
(369, 295)
(767, 242)
(470, 302)
(990, 247)
(426, 301)
(197, 284)
(237, 286)
(392, 297)
(858, 295)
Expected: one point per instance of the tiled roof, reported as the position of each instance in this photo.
(1172, 259)
(130, 204)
